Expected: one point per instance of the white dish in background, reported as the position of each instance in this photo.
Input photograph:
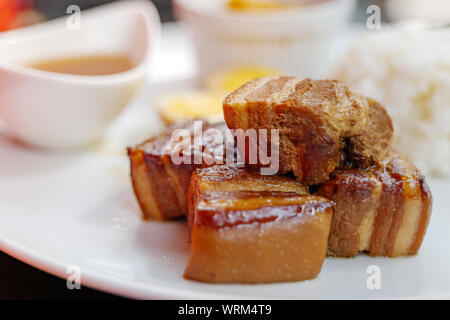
(418, 10)
(58, 210)
(297, 41)
(64, 110)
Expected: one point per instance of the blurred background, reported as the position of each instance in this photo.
(14, 13)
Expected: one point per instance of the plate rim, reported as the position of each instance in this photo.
(134, 290)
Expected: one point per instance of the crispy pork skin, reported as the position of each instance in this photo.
(318, 121)
(383, 211)
(159, 184)
(249, 228)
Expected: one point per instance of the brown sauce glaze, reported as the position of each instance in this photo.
(222, 218)
(229, 195)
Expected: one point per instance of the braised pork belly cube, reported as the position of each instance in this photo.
(382, 211)
(160, 185)
(250, 228)
(321, 124)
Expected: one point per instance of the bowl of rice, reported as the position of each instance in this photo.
(409, 72)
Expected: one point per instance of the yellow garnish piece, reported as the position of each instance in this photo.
(257, 4)
(230, 80)
(206, 104)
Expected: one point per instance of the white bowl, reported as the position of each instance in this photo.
(295, 41)
(62, 110)
(422, 10)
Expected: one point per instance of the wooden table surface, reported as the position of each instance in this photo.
(20, 281)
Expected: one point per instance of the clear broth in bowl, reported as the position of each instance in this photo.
(98, 65)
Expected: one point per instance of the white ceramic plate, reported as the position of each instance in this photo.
(78, 208)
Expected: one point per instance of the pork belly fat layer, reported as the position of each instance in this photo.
(384, 211)
(159, 184)
(157, 193)
(318, 122)
(249, 228)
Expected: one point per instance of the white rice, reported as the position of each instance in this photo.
(408, 72)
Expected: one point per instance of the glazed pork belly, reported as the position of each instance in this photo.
(321, 124)
(159, 184)
(382, 211)
(250, 228)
